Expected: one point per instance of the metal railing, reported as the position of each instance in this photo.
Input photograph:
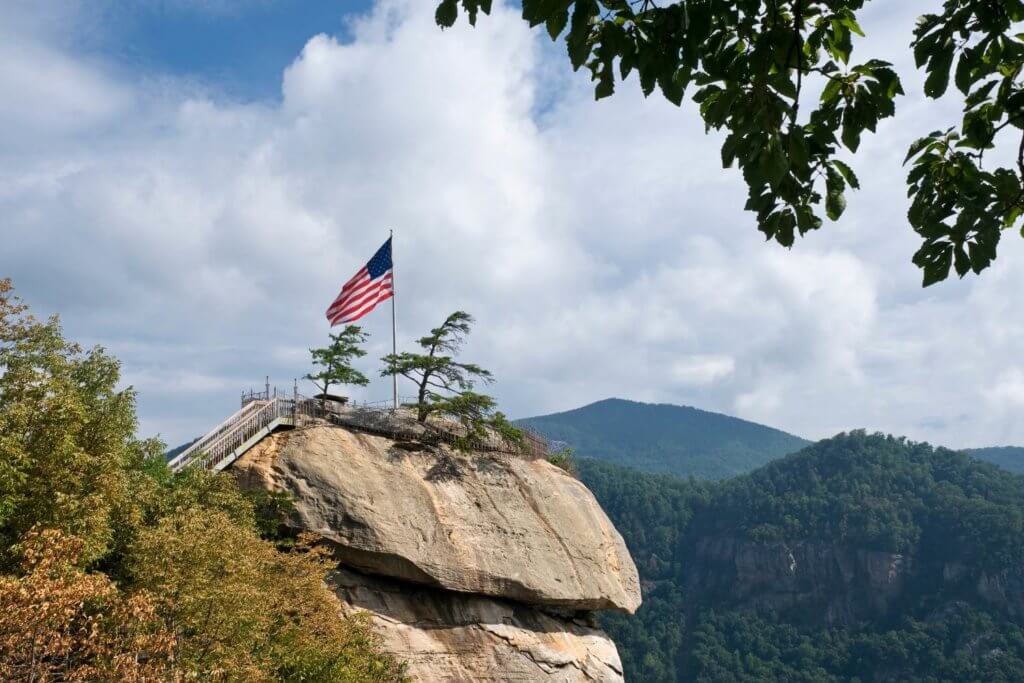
(438, 429)
(255, 422)
(267, 395)
(214, 435)
(222, 444)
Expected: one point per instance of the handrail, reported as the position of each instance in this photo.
(223, 442)
(224, 427)
(246, 429)
(226, 438)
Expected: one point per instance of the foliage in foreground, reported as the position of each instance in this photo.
(113, 569)
(59, 622)
(753, 64)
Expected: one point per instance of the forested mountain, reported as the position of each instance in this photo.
(863, 557)
(665, 438)
(1008, 457)
(173, 453)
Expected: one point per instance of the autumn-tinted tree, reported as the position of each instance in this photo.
(751, 63)
(241, 606)
(69, 459)
(335, 360)
(113, 569)
(60, 623)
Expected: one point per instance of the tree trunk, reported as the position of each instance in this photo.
(323, 397)
(421, 401)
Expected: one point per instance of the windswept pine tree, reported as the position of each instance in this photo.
(445, 385)
(335, 360)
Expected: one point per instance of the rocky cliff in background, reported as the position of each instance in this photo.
(822, 583)
(836, 585)
(474, 567)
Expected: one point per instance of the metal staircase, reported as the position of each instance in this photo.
(229, 440)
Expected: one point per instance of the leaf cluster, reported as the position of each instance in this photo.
(749, 63)
(564, 459)
(58, 622)
(958, 207)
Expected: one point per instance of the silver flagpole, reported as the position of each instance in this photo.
(394, 324)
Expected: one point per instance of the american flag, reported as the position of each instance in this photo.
(367, 288)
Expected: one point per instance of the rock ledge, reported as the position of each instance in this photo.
(491, 525)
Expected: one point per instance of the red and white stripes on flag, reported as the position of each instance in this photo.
(373, 284)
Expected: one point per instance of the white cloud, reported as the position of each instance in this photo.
(50, 95)
(600, 246)
(1008, 390)
(702, 369)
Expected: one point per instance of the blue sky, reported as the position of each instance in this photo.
(238, 48)
(188, 183)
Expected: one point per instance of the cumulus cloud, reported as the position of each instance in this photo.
(599, 245)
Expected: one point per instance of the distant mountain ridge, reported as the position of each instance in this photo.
(1010, 458)
(664, 438)
(174, 452)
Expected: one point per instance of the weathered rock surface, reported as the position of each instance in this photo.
(835, 584)
(839, 584)
(445, 636)
(491, 525)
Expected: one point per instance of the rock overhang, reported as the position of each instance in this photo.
(487, 524)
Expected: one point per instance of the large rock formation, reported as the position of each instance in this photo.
(449, 636)
(475, 567)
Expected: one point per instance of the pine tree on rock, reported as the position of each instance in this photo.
(445, 385)
(335, 361)
(442, 383)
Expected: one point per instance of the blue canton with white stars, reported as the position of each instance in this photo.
(381, 261)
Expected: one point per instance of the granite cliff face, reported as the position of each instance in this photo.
(825, 583)
(474, 567)
(838, 585)
(449, 636)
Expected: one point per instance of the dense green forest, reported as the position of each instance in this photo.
(664, 438)
(950, 525)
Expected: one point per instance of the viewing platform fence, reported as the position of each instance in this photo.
(262, 413)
